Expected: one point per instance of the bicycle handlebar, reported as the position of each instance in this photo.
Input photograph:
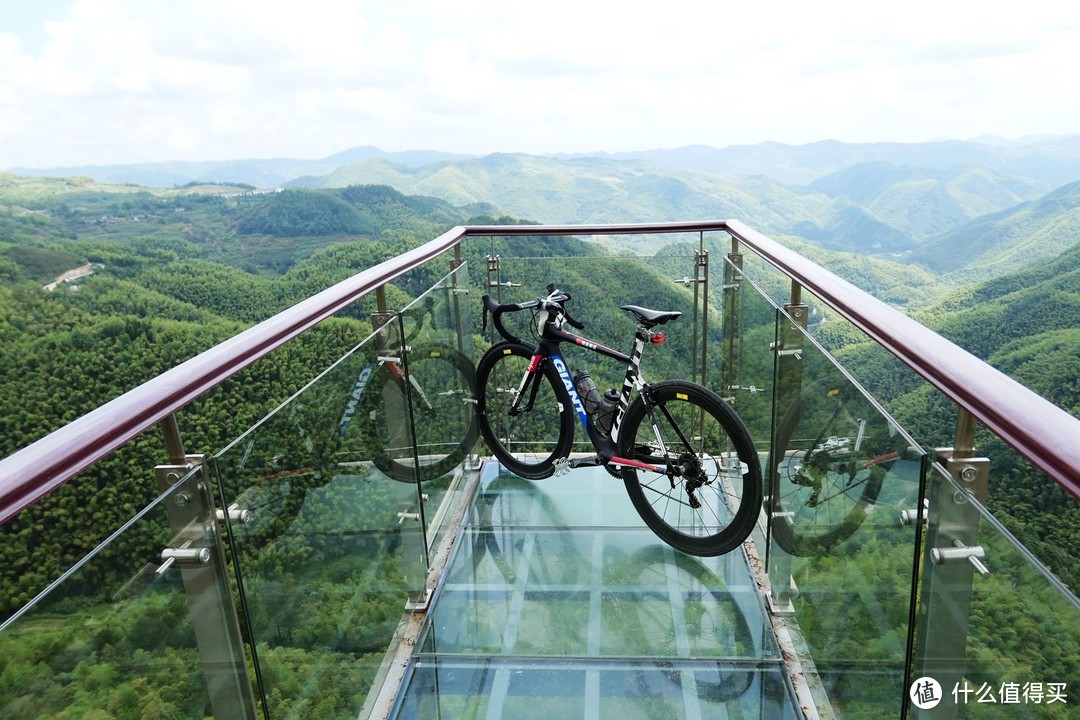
(553, 302)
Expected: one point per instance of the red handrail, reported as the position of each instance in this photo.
(1045, 434)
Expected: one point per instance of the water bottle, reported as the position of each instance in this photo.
(605, 415)
(588, 393)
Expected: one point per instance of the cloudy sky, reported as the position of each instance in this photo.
(119, 81)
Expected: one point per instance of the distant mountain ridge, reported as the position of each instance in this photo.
(1054, 159)
(263, 173)
(940, 204)
(927, 202)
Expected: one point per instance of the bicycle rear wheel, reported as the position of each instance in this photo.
(528, 441)
(711, 507)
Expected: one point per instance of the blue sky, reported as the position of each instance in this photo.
(118, 81)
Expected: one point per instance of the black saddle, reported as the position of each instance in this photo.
(648, 317)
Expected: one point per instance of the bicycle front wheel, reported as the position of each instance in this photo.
(525, 418)
(709, 505)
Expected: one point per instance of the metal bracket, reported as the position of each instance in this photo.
(914, 516)
(960, 552)
(185, 554)
(421, 604)
(379, 320)
(235, 514)
(403, 516)
(971, 473)
(752, 389)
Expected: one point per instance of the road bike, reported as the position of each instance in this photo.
(687, 460)
(833, 452)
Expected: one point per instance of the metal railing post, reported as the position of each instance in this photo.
(701, 274)
(455, 308)
(786, 390)
(951, 557)
(732, 289)
(203, 571)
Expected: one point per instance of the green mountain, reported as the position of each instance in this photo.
(923, 202)
(1031, 234)
(1012, 308)
(596, 190)
(260, 232)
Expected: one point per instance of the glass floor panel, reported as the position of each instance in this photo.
(559, 602)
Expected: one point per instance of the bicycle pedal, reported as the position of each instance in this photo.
(562, 467)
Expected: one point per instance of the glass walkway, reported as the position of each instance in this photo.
(558, 602)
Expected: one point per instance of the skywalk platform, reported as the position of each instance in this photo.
(557, 602)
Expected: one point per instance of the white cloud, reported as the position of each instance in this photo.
(130, 80)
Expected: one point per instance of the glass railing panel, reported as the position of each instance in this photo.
(840, 474)
(44, 540)
(334, 545)
(439, 328)
(1000, 635)
(150, 641)
(746, 362)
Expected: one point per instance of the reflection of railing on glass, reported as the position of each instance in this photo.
(833, 451)
(686, 458)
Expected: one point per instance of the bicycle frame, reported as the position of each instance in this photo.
(549, 349)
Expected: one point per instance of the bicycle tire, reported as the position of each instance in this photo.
(822, 494)
(700, 431)
(440, 397)
(527, 444)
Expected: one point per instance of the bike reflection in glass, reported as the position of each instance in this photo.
(834, 451)
(426, 388)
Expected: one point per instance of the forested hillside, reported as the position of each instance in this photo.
(1028, 235)
(926, 202)
(165, 274)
